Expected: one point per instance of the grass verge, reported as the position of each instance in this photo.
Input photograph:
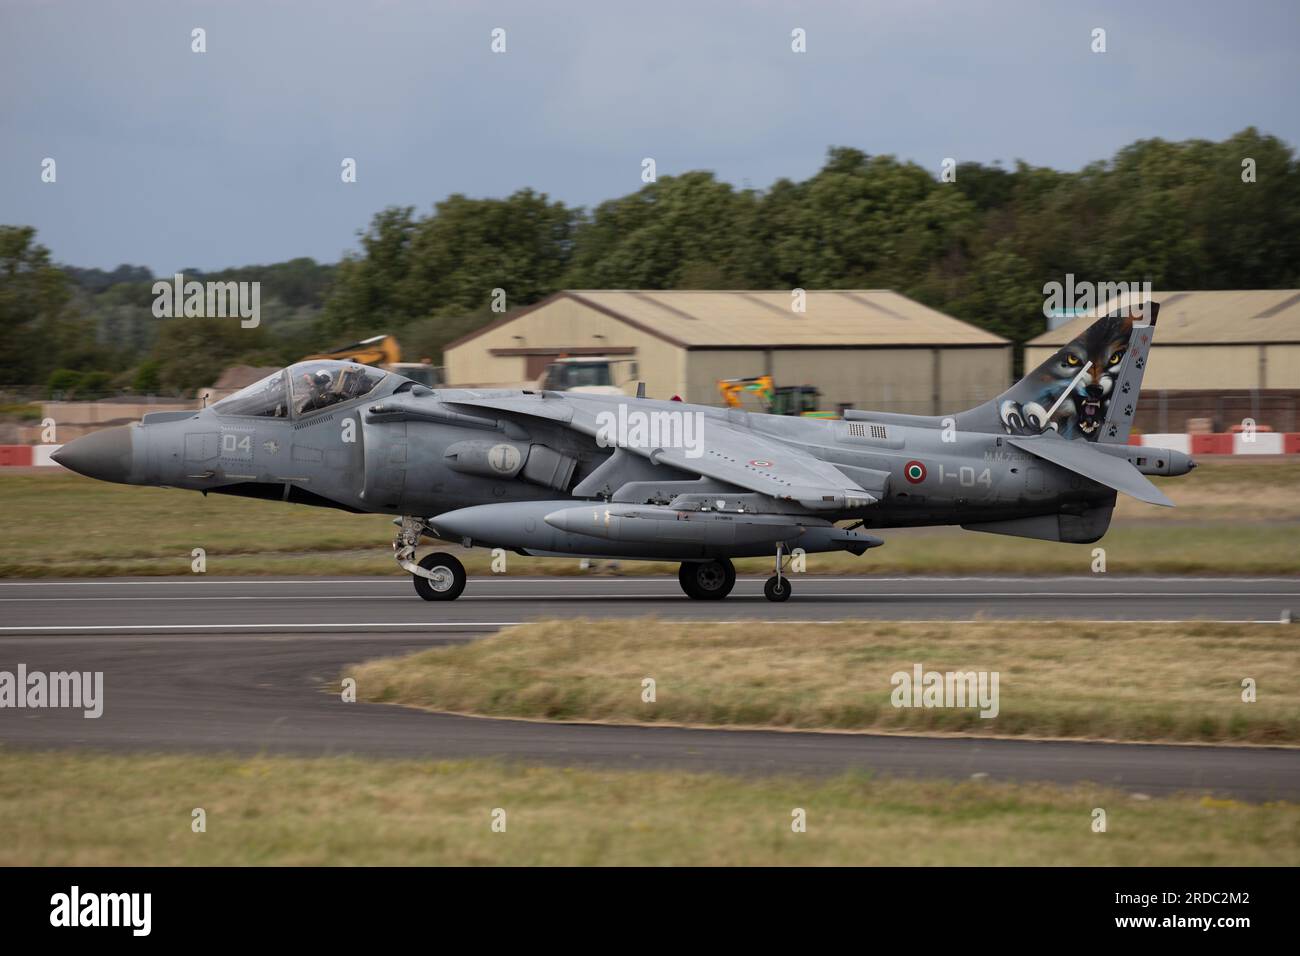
(1146, 682)
(68, 809)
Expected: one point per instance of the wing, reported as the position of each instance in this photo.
(728, 452)
(740, 457)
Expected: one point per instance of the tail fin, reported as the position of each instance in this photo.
(1088, 389)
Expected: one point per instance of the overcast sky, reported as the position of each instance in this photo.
(169, 158)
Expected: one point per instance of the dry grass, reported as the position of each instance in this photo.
(1233, 518)
(66, 809)
(1171, 682)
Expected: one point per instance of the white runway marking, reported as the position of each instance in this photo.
(705, 622)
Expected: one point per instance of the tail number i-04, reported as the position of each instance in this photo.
(965, 476)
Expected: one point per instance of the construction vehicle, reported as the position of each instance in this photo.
(803, 400)
(383, 351)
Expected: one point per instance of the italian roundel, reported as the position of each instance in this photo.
(914, 472)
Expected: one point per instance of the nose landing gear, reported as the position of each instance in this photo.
(438, 576)
(446, 577)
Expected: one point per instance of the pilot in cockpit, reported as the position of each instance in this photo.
(316, 391)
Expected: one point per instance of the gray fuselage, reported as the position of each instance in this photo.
(402, 449)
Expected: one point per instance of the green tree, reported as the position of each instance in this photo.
(449, 263)
(193, 352)
(63, 382)
(34, 328)
(862, 222)
(688, 231)
(148, 377)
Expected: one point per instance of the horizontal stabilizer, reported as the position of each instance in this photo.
(1080, 458)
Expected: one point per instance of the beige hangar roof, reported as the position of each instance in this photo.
(1230, 317)
(701, 319)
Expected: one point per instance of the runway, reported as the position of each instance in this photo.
(242, 665)
(211, 605)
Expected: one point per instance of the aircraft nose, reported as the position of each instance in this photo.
(105, 454)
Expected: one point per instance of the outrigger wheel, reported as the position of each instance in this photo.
(707, 580)
(447, 577)
(777, 587)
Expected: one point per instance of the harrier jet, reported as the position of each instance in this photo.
(567, 474)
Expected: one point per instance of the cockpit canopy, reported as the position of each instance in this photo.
(302, 389)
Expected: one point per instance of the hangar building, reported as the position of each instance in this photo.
(868, 349)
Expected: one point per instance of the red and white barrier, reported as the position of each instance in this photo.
(1174, 441)
(41, 455)
(24, 456)
(1260, 443)
(1224, 443)
(19, 456)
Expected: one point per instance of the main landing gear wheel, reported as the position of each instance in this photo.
(707, 580)
(777, 588)
(448, 578)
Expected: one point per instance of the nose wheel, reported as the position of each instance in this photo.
(438, 576)
(445, 580)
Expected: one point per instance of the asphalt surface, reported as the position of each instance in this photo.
(200, 604)
(242, 666)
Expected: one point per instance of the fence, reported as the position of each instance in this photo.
(1170, 411)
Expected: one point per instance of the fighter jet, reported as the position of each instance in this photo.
(556, 474)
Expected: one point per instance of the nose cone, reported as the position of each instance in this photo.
(105, 454)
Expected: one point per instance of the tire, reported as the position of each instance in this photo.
(777, 589)
(451, 579)
(707, 580)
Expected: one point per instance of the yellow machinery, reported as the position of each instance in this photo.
(784, 400)
(382, 351)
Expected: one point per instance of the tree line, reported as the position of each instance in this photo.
(1182, 215)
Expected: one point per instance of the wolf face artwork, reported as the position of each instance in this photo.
(1070, 393)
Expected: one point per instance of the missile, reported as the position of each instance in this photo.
(649, 523)
(570, 527)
